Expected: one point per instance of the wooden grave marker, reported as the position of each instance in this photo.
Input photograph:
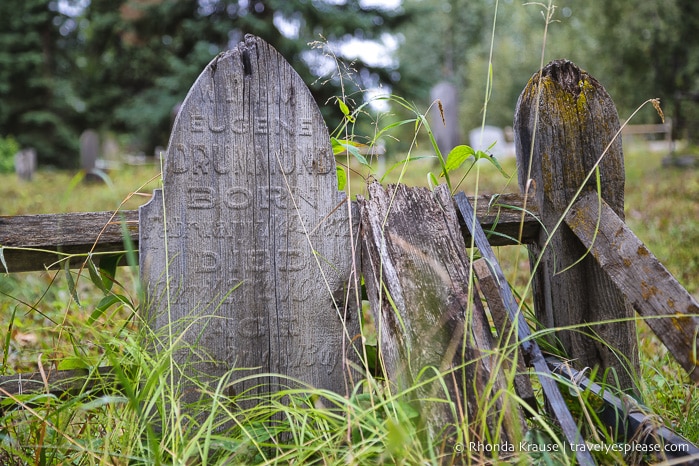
(25, 163)
(249, 239)
(89, 152)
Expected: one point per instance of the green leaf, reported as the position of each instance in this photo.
(496, 164)
(95, 276)
(104, 304)
(345, 109)
(103, 401)
(71, 283)
(72, 362)
(481, 155)
(341, 178)
(341, 145)
(396, 124)
(338, 148)
(457, 156)
(108, 268)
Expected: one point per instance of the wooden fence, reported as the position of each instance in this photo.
(250, 243)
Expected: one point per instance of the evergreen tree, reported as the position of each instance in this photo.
(123, 65)
(37, 102)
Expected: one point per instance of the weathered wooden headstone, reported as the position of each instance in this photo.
(558, 144)
(25, 163)
(246, 250)
(89, 151)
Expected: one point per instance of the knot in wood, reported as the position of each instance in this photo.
(567, 74)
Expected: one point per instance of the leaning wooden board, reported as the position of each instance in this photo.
(668, 309)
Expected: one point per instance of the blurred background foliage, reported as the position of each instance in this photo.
(121, 66)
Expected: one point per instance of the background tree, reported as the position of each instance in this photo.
(638, 50)
(451, 40)
(649, 49)
(122, 65)
(38, 104)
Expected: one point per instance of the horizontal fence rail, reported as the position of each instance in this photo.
(46, 241)
(37, 242)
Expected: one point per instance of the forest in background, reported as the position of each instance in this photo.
(122, 66)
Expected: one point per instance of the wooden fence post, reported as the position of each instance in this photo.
(246, 250)
(565, 123)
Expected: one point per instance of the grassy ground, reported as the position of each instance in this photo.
(61, 191)
(44, 325)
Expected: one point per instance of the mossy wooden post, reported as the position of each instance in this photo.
(565, 122)
(245, 253)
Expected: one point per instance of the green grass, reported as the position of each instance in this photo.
(62, 191)
(46, 327)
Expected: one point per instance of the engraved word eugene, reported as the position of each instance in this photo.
(224, 158)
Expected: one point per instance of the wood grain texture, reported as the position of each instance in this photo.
(503, 217)
(416, 271)
(564, 122)
(246, 250)
(671, 312)
(28, 241)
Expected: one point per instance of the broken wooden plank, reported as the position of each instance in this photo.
(669, 310)
(37, 242)
(29, 242)
(531, 349)
(416, 273)
(56, 382)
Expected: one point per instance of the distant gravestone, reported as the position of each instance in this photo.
(111, 153)
(89, 151)
(491, 137)
(445, 123)
(246, 250)
(25, 163)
